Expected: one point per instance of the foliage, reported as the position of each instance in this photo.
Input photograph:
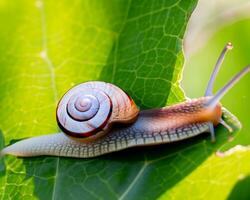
(47, 47)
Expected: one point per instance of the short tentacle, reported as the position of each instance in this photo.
(212, 132)
(229, 128)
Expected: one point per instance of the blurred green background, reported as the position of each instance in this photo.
(199, 66)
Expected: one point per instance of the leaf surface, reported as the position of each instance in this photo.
(47, 47)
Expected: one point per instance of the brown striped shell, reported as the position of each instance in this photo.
(88, 110)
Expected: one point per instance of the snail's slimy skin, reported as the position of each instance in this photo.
(147, 130)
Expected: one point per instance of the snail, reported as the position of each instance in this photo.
(90, 115)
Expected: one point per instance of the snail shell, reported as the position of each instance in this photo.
(88, 110)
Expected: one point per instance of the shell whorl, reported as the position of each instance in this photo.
(87, 110)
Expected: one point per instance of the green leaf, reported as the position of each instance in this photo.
(47, 47)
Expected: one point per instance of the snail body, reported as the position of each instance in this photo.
(152, 127)
(99, 118)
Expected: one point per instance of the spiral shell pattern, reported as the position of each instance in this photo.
(88, 109)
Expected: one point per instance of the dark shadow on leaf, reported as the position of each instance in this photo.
(16, 140)
(241, 190)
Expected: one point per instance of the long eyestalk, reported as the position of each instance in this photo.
(216, 98)
(209, 90)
